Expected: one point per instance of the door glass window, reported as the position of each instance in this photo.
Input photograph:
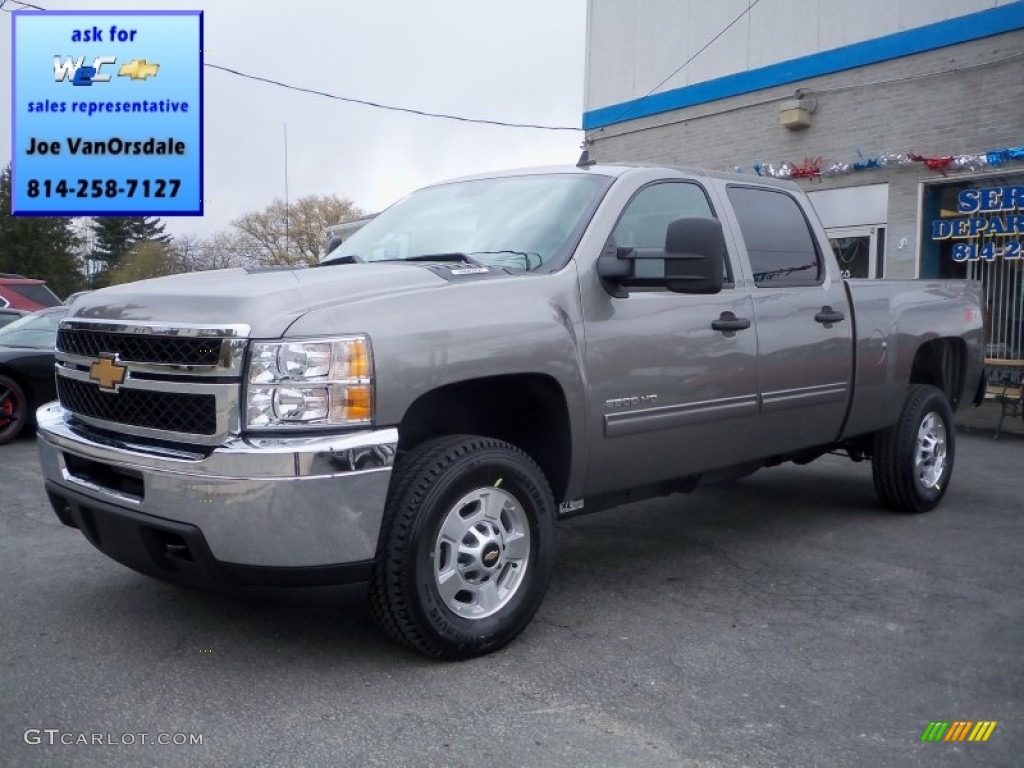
(644, 223)
(778, 239)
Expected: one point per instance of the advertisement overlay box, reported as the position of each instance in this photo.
(107, 113)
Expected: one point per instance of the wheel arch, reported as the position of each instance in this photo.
(527, 410)
(942, 363)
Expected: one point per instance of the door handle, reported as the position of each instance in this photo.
(827, 316)
(727, 321)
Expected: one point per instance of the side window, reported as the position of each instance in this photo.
(778, 238)
(645, 221)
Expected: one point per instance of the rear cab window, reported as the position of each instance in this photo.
(780, 245)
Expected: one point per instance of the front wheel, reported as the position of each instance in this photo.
(912, 461)
(467, 547)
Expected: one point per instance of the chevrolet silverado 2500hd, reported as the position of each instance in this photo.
(485, 356)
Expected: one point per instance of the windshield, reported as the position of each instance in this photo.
(523, 222)
(37, 331)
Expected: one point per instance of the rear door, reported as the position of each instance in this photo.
(803, 318)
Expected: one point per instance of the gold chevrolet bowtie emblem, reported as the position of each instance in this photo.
(107, 373)
(138, 69)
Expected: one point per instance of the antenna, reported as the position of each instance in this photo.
(585, 161)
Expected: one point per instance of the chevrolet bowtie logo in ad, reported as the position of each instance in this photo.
(108, 373)
(138, 69)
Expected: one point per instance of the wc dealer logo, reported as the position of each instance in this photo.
(958, 730)
(79, 73)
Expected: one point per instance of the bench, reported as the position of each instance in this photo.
(1006, 387)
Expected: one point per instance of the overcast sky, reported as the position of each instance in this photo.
(517, 61)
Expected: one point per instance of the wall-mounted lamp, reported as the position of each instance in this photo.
(795, 114)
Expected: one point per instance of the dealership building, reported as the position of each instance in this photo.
(903, 120)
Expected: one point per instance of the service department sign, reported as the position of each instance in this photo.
(993, 219)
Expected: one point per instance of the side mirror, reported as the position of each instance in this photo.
(694, 255)
(614, 267)
(334, 243)
(693, 260)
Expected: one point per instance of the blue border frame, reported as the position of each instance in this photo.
(961, 29)
(14, 101)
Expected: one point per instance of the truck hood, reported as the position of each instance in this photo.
(268, 300)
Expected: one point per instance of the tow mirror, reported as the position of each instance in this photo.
(692, 261)
(694, 255)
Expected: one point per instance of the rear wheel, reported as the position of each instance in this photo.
(913, 459)
(467, 547)
(13, 409)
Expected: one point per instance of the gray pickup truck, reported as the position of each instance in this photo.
(482, 358)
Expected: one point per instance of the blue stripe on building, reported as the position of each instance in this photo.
(962, 29)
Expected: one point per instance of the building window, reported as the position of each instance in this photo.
(975, 229)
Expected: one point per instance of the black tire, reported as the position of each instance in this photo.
(901, 482)
(427, 488)
(14, 415)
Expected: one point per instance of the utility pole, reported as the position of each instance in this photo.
(287, 214)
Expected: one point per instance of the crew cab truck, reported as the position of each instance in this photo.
(484, 357)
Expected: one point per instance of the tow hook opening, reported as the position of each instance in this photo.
(173, 546)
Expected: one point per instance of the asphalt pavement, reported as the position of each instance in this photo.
(782, 620)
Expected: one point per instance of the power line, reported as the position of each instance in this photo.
(634, 104)
(351, 100)
(391, 107)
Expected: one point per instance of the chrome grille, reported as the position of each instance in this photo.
(181, 383)
(140, 349)
(166, 411)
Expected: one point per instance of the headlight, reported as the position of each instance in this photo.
(318, 383)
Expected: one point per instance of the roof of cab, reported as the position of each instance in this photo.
(620, 169)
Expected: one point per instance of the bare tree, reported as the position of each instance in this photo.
(223, 250)
(186, 253)
(292, 235)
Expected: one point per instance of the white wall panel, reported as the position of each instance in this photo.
(844, 23)
(663, 38)
(783, 29)
(611, 51)
(727, 55)
(634, 44)
(915, 13)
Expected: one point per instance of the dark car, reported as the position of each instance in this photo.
(26, 369)
(24, 293)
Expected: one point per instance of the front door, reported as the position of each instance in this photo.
(668, 394)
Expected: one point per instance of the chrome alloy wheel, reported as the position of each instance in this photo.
(482, 553)
(930, 451)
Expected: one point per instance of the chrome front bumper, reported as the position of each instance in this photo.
(287, 503)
